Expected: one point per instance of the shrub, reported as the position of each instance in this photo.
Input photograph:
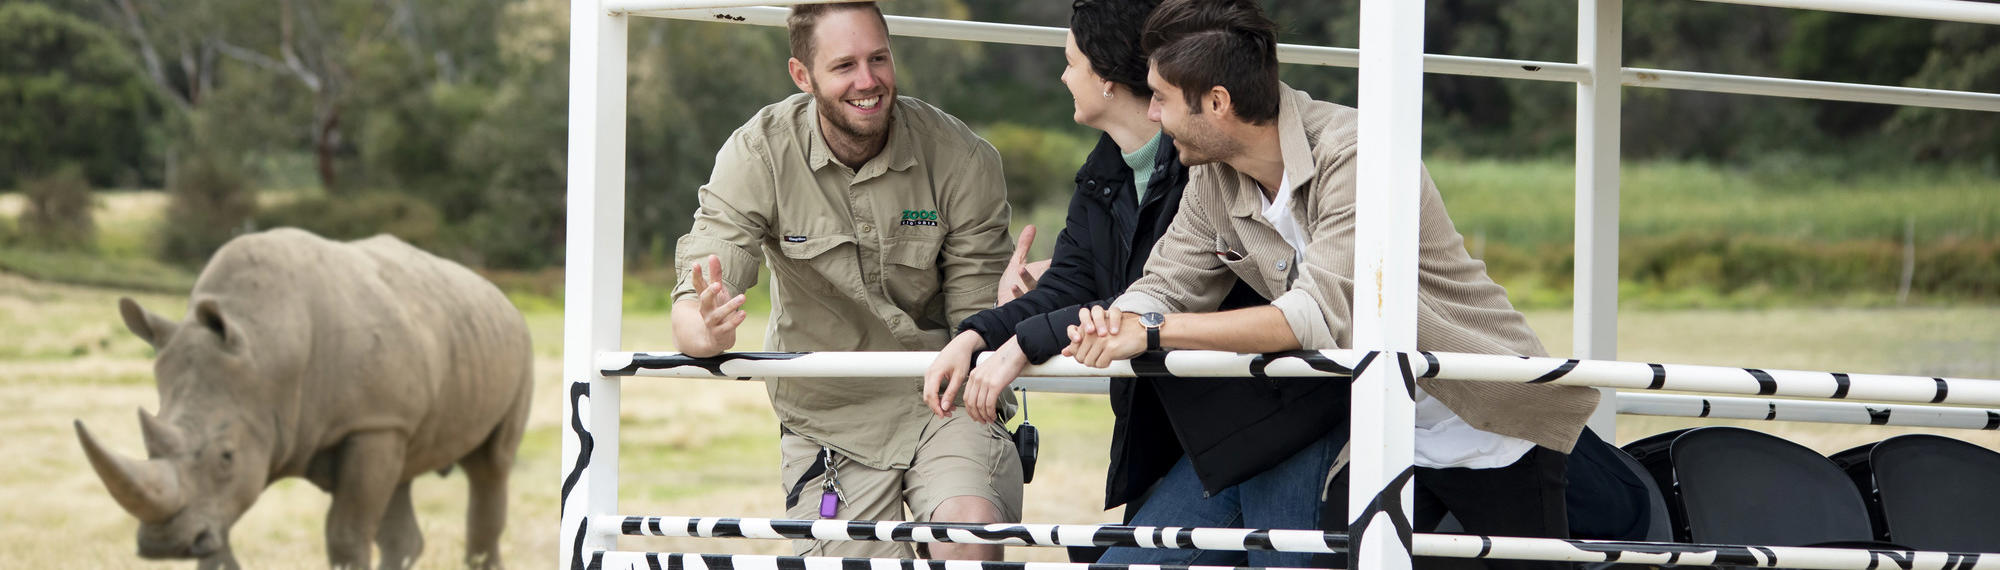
(350, 217)
(58, 212)
(208, 201)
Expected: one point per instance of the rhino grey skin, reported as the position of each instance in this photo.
(358, 366)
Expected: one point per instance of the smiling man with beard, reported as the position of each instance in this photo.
(884, 222)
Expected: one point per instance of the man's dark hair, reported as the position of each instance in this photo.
(805, 18)
(1107, 32)
(1197, 45)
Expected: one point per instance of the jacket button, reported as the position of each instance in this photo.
(1281, 265)
(865, 228)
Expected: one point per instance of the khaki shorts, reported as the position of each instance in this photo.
(956, 457)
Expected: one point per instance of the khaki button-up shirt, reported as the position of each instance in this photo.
(886, 257)
(1459, 308)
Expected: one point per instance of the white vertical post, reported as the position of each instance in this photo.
(592, 278)
(1599, 35)
(1385, 281)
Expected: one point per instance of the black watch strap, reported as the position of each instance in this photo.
(1153, 339)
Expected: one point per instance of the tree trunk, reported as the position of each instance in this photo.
(326, 140)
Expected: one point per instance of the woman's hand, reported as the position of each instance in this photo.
(949, 370)
(991, 379)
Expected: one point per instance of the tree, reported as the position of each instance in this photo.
(69, 93)
(58, 215)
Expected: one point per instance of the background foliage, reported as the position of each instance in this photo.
(445, 121)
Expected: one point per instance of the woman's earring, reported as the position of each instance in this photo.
(1107, 93)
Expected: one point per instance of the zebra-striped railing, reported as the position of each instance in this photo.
(1771, 409)
(1343, 363)
(1442, 545)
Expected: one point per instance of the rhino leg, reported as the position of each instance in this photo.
(223, 560)
(486, 470)
(365, 479)
(400, 539)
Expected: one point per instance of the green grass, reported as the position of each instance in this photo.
(131, 273)
(1530, 203)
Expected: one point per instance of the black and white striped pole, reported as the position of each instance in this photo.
(593, 277)
(1311, 541)
(1863, 390)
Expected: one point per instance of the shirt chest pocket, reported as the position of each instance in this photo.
(821, 264)
(1258, 278)
(913, 278)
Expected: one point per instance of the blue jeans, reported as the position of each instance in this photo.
(1284, 497)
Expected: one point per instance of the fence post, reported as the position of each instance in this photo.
(1385, 282)
(592, 278)
(1599, 33)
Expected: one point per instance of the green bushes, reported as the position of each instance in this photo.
(71, 93)
(58, 211)
(357, 216)
(208, 201)
(1706, 270)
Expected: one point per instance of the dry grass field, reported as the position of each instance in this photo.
(707, 447)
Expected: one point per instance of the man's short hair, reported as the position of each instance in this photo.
(1107, 32)
(1200, 44)
(805, 19)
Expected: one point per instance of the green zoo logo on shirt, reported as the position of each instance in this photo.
(920, 217)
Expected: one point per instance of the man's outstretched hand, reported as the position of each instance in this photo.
(1021, 275)
(706, 326)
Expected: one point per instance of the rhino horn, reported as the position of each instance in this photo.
(150, 490)
(162, 439)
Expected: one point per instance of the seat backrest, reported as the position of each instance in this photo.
(1610, 496)
(1659, 526)
(1938, 493)
(1651, 453)
(1738, 486)
(1854, 462)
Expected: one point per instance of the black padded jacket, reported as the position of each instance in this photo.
(1231, 429)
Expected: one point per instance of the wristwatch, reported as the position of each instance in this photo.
(1152, 322)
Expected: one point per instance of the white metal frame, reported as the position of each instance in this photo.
(1390, 93)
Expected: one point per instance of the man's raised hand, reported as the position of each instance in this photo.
(707, 326)
(1020, 276)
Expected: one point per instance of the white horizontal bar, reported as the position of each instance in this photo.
(1047, 36)
(636, 6)
(1859, 413)
(1949, 10)
(1433, 63)
(1806, 89)
(1069, 385)
(909, 26)
(1341, 364)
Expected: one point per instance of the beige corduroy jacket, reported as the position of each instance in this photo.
(1459, 308)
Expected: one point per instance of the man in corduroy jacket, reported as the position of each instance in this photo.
(1270, 201)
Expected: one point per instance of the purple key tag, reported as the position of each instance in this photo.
(828, 502)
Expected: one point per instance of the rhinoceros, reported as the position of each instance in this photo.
(356, 365)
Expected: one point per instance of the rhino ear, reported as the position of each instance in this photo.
(209, 314)
(149, 326)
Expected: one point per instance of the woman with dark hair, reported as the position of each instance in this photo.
(1200, 452)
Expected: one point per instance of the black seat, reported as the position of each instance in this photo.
(1929, 492)
(1659, 526)
(1737, 486)
(1611, 497)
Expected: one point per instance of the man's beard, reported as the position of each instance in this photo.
(1201, 143)
(833, 110)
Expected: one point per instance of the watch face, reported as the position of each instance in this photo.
(1152, 320)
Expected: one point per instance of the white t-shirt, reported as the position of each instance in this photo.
(1443, 439)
